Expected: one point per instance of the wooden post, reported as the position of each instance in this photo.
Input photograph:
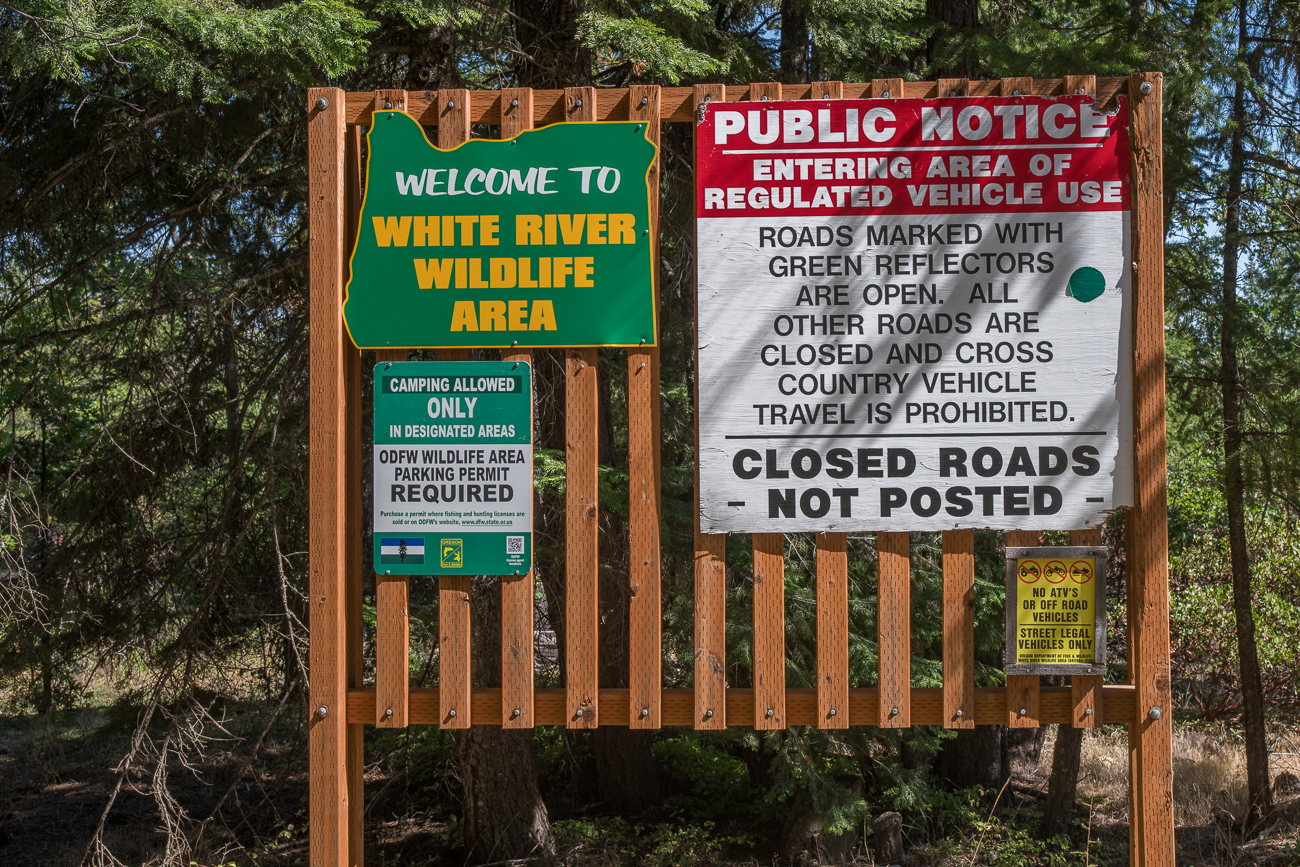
(517, 590)
(582, 459)
(328, 810)
(454, 684)
(353, 532)
(645, 609)
(1151, 732)
(710, 562)
(1022, 689)
(392, 592)
(959, 629)
(947, 87)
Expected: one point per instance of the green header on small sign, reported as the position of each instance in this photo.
(542, 240)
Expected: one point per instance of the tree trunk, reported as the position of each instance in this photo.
(431, 64)
(805, 840)
(1251, 686)
(1064, 781)
(956, 19)
(552, 55)
(505, 816)
(794, 42)
(1023, 749)
(974, 758)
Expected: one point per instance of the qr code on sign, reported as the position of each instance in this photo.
(514, 544)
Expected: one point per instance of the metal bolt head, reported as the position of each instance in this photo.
(1144, 88)
(577, 103)
(452, 712)
(1015, 93)
(1024, 711)
(832, 712)
(1087, 711)
(451, 103)
(708, 714)
(1080, 91)
(516, 713)
(645, 100)
(764, 98)
(322, 711)
(514, 103)
(388, 711)
(387, 104)
(579, 713)
(645, 712)
(885, 95)
(893, 711)
(954, 93)
(322, 104)
(960, 713)
(708, 98)
(1154, 713)
(771, 712)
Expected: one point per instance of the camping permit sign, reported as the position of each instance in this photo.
(453, 458)
(542, 240)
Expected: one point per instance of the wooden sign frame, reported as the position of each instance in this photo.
(342, 704)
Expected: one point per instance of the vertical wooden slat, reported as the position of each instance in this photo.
(454, 685)
(953, 87)
(1085, 690)
(769, 582)
(1022, 689)
(894, 627)
(517, 590)
(886, 88)
(832, 631)
(959, 629)
(1016, 86)
(710, 563)
(581, 558)
(353, 534)
(832, 585)
(645, 609)
(1080, 84)
(894, 586)
(1148, 538)
(769, 631)
(392, 592)
(327, 582)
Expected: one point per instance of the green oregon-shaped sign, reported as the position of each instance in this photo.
(542, 240)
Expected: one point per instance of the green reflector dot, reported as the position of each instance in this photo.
(1087, 284)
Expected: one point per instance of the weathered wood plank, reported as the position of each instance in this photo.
(832, 631)
(894, 629)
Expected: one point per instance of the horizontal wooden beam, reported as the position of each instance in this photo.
(675, 102)
(1055, 704)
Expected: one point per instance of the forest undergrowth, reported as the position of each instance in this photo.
(58, 772)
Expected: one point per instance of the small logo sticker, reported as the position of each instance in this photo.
(451, 553)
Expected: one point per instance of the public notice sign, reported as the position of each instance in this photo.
(913, 314)
(453, 468)
(1056, 610)
(540, 240)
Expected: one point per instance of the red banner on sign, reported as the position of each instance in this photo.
(1020, 154)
